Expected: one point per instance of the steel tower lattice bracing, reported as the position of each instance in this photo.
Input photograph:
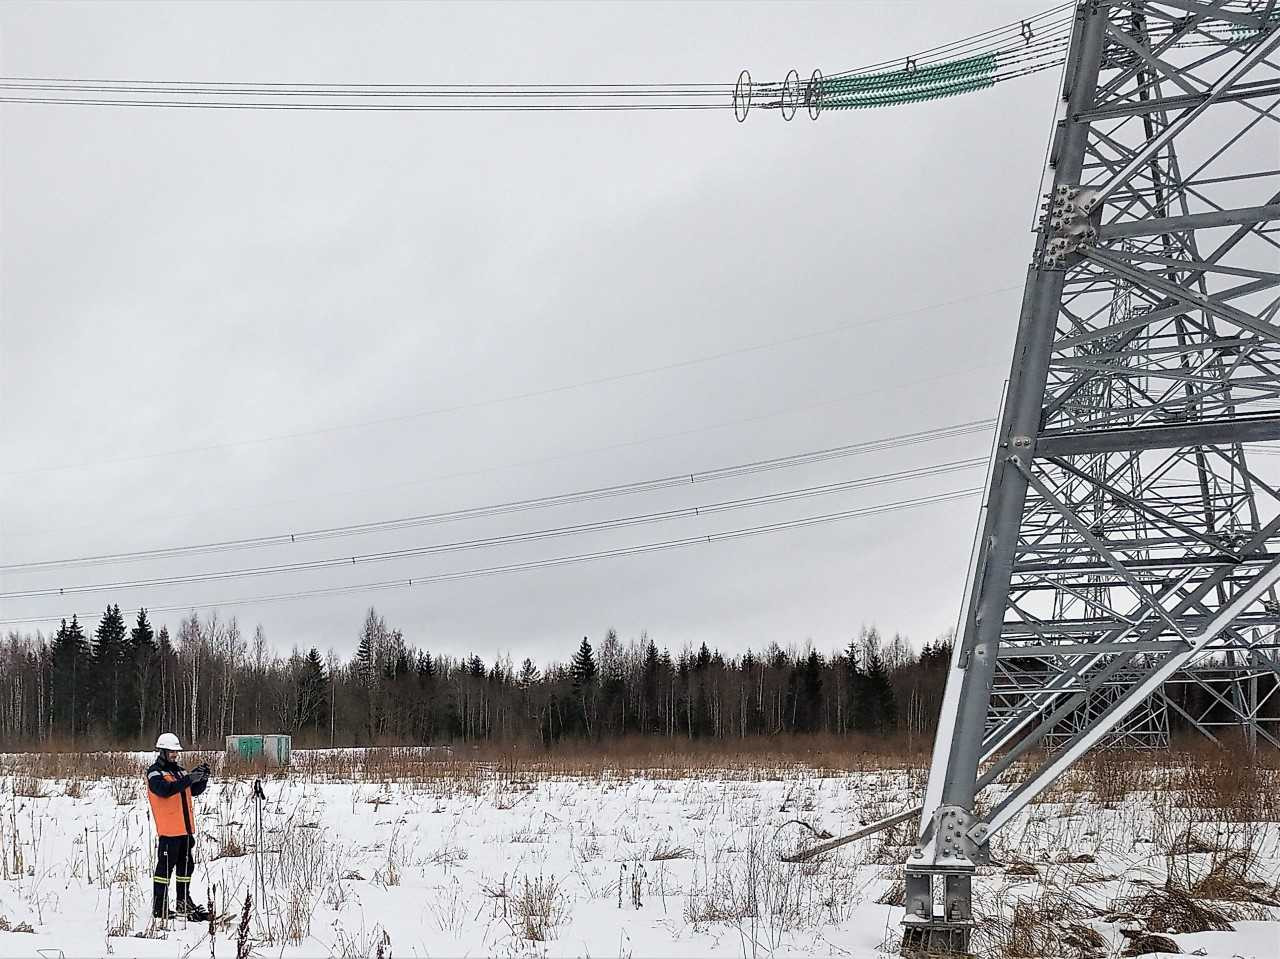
(1126, 546)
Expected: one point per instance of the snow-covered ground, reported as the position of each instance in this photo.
(507, 863)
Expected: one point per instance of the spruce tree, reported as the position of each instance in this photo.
(165, 660)
(365, 659)
(583, 667)
(427, 709)
(142, 636)
(109, 668)
(613, 693)
(748, 718)
(314, 703)
(372, 648)
(401, 663)
(529, 675)
(885, 709)
(365, 668)
(861, 708)
(649, 686)
(426, 668)
(59, 682)
(583, 671)
(70, 662)
(140, 661)
(700, 718)
(704, 658)
(811, 690)
(395, 659)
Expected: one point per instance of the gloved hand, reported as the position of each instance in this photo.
(199, 774)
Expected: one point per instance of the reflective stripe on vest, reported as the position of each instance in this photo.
(174, 815)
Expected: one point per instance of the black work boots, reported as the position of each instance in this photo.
(191, 911)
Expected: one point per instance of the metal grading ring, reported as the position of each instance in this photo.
(813, 94)
(742, 96)
(789, 101)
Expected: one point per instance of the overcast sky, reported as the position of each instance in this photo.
(200, 309)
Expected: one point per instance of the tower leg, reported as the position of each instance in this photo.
(1123, 537)
(945, 855)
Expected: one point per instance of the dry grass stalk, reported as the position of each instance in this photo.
(1232, 877)
(894, 895)
(229, 846)
(1176, 911)
(500, 894)
(1146, 943)
(125, 791)
(666, 853)
(27, 786)
(213, 920)
(243, 944)
(540, 907)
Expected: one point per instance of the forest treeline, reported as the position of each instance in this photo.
(123, 682)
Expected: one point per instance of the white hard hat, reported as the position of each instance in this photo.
(170, 742)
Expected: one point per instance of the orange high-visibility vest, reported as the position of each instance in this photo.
(174, 815)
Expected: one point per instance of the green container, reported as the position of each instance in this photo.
(275, 749)
(248, 747)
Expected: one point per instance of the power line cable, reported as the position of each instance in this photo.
(517, 397)
(508, 539)
(1018, 33)
(791, 410)
(550, 562)
(962, 47)
(973, 63)
(352, 90)
(574, 497)
(376, 107)
(1033, 33)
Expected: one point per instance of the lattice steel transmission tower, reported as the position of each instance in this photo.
(1125, 539)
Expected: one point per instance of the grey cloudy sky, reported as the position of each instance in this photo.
(181, 289)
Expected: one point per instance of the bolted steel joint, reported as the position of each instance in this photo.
(1070, 225)
(954, 848)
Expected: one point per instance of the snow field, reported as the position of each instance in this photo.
(504, 863)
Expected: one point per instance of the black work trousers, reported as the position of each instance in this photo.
(174, 858)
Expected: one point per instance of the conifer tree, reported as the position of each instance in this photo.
(426, 668)
(861, 709)
(811, 691)
(584, 665)
(168, 692)
(108, 666)
(69, 691)
(529, 674)
(369, 657)
(613, 693)
(583, 671)
(884, 710)
(140, 662)
(312, 699)
(648, 686)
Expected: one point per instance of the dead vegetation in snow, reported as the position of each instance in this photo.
(1124, 852)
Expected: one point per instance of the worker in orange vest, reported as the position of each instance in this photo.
(169, 789)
